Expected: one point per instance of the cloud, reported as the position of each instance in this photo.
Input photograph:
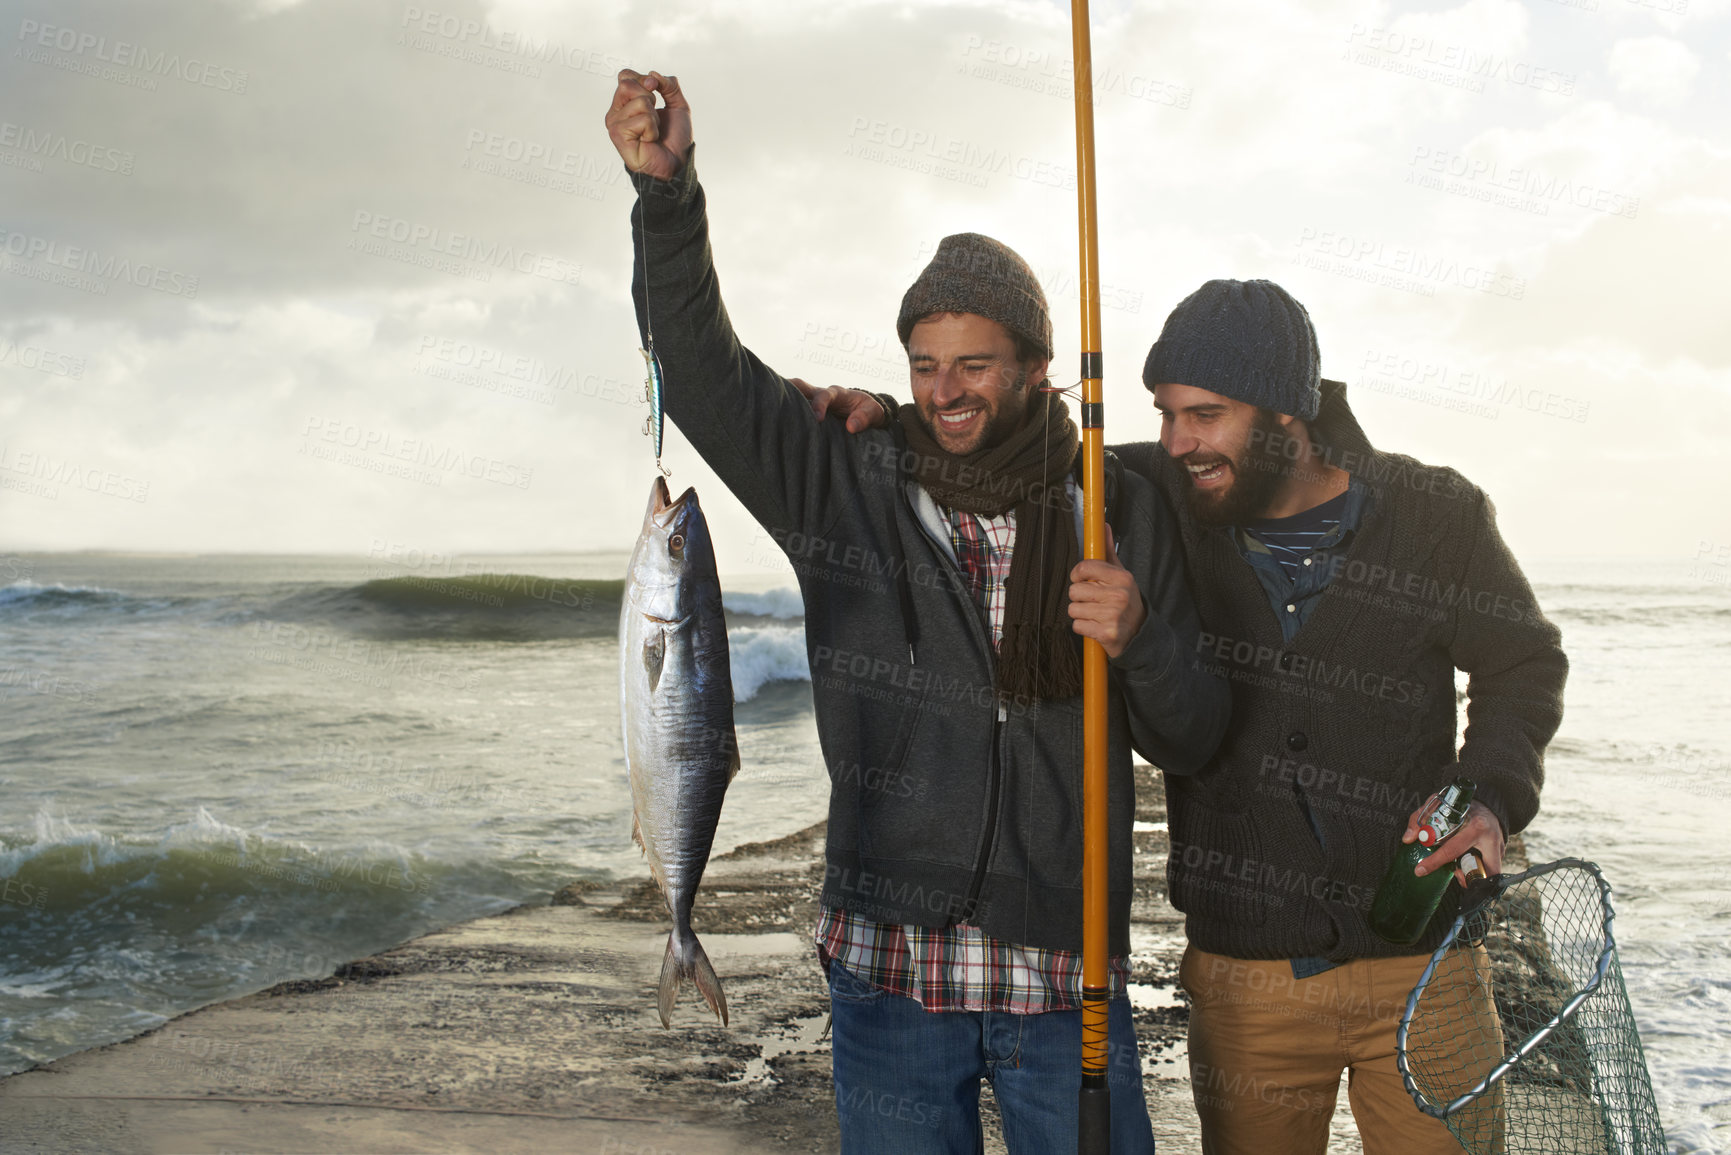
(1646, 276)
(407, 229)
(1655, 69)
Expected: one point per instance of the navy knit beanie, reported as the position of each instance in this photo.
(1248, 340)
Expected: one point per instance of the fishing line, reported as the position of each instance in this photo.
(1034, 732)
(652, 381)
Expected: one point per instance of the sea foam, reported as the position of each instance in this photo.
(759, 655)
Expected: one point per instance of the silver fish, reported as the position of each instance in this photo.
(676, 695)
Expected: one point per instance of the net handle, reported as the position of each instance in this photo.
(1510, 1061)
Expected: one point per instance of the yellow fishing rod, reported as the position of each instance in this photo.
(1094, 1120)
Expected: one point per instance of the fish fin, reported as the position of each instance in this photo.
(669, 989)
(733, 766)
(637, 834)
(654, 654)
(691, 963)
(708, 983)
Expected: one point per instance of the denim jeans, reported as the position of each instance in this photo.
(907, 1080)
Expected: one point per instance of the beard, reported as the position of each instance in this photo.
(998, 425)
(1257, 470)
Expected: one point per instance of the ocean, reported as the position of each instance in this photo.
(218, 773)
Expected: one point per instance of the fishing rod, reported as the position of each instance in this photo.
(1094, 1119)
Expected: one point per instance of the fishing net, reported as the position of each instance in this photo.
(1519, 1035)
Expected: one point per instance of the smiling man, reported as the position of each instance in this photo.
(939, 561)
(1340, 589)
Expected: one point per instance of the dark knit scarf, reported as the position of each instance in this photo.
(1040, 654)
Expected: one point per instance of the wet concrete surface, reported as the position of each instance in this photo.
(535, 1030)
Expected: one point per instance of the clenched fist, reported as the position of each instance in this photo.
(650, 140)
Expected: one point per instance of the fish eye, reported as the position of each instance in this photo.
(677, 542)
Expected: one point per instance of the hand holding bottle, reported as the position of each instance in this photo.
(1480, 833)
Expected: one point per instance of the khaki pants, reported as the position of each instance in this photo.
(1267, 1050)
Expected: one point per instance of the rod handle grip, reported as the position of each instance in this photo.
(1093, 1118)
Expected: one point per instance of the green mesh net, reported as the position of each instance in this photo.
(1519, 1035)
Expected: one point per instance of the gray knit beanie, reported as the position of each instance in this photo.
(975, 274)
(1248, 340)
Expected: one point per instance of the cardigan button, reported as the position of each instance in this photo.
(1297, 742)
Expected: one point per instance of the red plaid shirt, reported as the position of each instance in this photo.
(959, 967)
(983, 547)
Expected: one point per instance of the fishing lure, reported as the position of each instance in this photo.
(652, 393)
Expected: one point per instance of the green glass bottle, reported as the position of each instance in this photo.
(1405, 902)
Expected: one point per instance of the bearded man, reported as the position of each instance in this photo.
(1340, 588)
(939, 560)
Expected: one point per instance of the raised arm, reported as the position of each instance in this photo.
(744, 419)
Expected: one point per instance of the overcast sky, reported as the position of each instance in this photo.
(313, 276)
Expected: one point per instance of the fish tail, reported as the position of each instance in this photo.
(685, 959)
